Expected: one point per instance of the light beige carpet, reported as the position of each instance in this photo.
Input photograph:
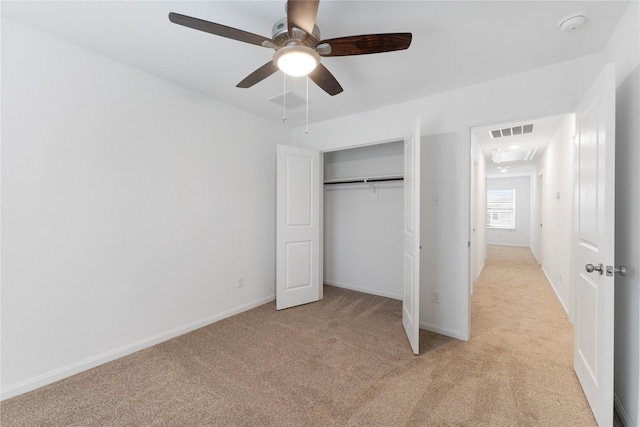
(342, 361)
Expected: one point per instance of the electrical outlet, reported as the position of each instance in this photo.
(435, 297)
(240, 281)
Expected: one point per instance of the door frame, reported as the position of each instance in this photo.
(413, 345)
(545, 111)
(321, 204)
(539, 207)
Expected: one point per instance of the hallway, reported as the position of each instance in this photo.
(517, 318)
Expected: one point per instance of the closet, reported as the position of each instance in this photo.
(357, 227)
(363, 219)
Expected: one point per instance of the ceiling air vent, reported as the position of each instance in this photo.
(290, 99)
(516, 130)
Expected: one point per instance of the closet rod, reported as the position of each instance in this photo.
(364, 180)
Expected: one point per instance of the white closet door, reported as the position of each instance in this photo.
(298, 257)
(594, 244)
(411, 292)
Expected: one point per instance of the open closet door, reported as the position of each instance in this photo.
(411, 293)
(594, 244)
(298, 228)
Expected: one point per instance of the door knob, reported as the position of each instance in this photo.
(591, 268)
(622, 270)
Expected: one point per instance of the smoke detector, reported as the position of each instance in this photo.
(572, 22)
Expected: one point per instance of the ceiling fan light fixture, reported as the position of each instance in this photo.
(296, 60)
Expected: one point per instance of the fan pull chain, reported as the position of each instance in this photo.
(307, 130)
(284, 97)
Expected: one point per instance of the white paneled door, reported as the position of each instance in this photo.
(594, 244)
(298, 269)
(411, 292)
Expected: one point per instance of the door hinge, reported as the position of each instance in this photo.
(468, 244)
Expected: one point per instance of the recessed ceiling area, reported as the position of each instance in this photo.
(517, 153)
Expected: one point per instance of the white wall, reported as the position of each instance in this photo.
(129, 208)
(548, 90)
(52, 292)
(627, 247)
(557, 211)
(363, 223)
(367, 161)
(521, 234)
(440, 183)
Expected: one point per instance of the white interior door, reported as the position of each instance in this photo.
(539, 210)
(594, 244)
(298, 272)
(411, 292)
(474, 225)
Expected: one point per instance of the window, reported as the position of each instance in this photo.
(501, 208)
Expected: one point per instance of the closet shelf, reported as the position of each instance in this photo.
(365, 180)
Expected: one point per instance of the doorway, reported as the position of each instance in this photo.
(528, 161)
(299, 242)
(363, 218)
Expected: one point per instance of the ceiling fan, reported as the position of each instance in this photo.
(298, 46)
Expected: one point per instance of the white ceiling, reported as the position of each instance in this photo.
(543, 131)
(455, 44)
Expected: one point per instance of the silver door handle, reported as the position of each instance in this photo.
(622, 270)
(591, 268)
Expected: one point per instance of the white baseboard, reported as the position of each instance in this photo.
(518, 245)
(624, 416)
(100, 359)
(479, 272)
(440, 330)
(535, 255)
(555, 291)
(364, 290)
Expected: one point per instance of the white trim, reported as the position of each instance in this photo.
(363, 290)
(535, 255)
(555, 291)
(624, 416)
(518, 245)
(525, 114)
(465, 286)
(100, 359)
(509, 175)
(442, 331)
(638, 325)
(329, 149)
(479, 271)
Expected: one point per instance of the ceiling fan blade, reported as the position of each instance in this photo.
(323, 78)
(302, 14)
(258, 75)
(369, 43)
(218, 29)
